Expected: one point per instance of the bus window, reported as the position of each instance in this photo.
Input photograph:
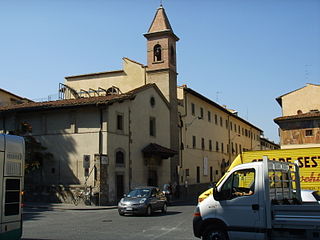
(12, 197)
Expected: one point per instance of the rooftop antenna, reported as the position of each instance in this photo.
(160, 3)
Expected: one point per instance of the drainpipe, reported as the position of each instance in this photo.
(181, 147)
(129, 149)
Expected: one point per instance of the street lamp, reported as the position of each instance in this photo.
(190, 123)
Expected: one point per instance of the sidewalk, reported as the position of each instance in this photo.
(64, 206)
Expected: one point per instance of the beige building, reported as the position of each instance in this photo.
(118, 129)
(211, 137)
(111, 130)
(8, 98)
(266, 144)
(104, 142)
(300, 121)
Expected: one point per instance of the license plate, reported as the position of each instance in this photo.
(129, 209)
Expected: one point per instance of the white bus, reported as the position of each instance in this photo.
(12, 157)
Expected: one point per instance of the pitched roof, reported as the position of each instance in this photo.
(71, 103)
(279, 99)
(14, 95)
(189, 90)
(160, 24)
(158, 150)
(160, 21)
(304, 116)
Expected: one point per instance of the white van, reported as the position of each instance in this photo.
(259, 200)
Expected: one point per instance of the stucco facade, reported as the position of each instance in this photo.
(8, 98)
(93, 130)
(118, 129)
(302, 100)
(211, 137)
(299, 125)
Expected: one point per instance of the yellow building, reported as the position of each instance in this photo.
(211, 137)
(300, 121)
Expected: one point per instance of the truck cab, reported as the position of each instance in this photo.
(253, 202)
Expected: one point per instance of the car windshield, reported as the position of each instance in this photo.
(139, 193)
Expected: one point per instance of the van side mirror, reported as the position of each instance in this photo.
(217, 195)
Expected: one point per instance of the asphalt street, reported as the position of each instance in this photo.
(69, 224)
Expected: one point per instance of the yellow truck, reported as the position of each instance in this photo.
(307, 158)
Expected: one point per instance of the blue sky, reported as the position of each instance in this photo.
(239, 53)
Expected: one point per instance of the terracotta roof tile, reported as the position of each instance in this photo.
(74, 102)
(299, 116)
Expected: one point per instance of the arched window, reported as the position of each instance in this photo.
(119, 158)
(157, 53)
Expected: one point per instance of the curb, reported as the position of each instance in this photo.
(72, 207)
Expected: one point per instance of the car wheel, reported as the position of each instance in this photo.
(149, 211)
(121, 213)
(164, 208)
(212, 233)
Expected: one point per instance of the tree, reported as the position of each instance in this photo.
(35, 152)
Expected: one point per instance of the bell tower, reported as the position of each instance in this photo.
(162, 70)
(161, 55)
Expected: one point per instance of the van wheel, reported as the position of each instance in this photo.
(212, 233)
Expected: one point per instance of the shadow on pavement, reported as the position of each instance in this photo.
(35, 239)
(154, 214)
(33, 214)
(183, 203)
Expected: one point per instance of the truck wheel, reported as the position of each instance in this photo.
(212, 233)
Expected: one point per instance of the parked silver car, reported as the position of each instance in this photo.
(143, 200)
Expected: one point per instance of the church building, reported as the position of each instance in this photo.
(114, 130)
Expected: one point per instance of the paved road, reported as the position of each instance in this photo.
(57, 224)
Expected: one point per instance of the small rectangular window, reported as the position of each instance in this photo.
(209, 116)
(222, 148)
(119, 121)
(152, 126)
(193, 109)
(216, 119)
(221, 122)
(187, 172)
(198, 174)
(217, 146)
(210, 145)
(309, 132)
(201, 113)
(194, 141)
(202, 143)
